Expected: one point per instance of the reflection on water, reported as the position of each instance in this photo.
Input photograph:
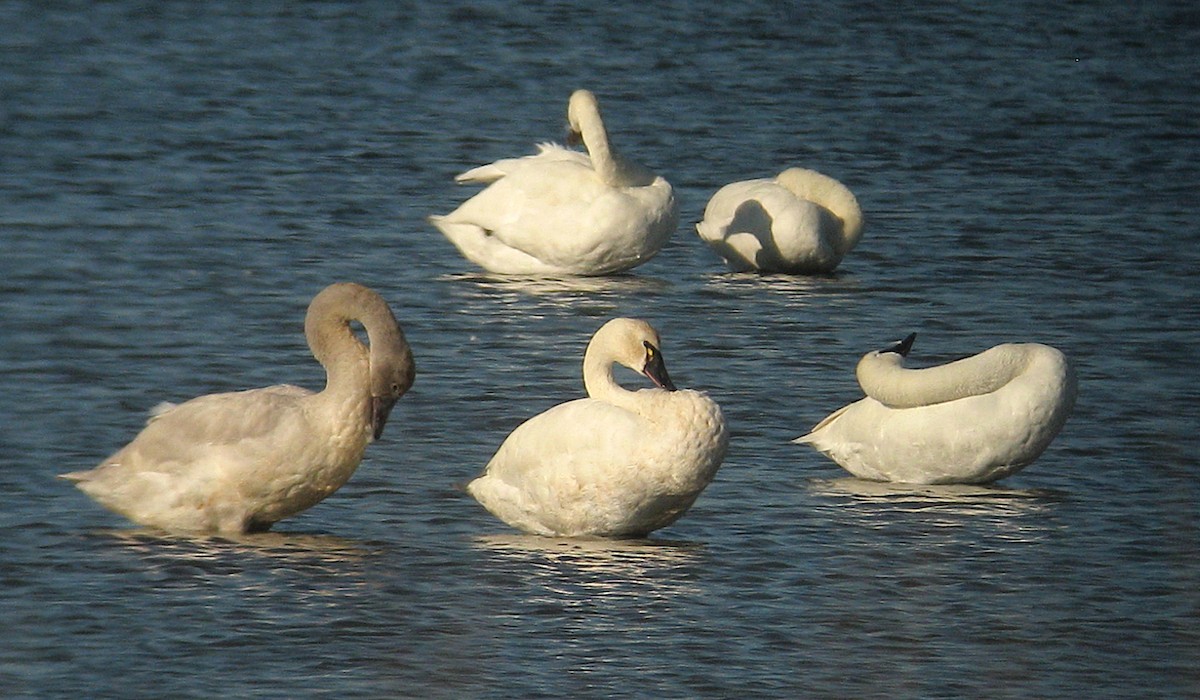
(794, 288)
(280, 548)
(185, 161)
(598, 567)
(561, 288)
(950, 501)
(935, 494)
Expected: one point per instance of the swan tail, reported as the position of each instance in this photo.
(486, 250)
(811, 437)
(470, 239)
(484, 174)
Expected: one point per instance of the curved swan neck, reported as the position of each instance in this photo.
(832, 195)
(598, 380)
(333, 343)
(883, 377)
(631, 343)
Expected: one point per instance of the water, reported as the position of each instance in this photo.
(177, 180)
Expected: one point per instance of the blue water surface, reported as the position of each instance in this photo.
(177, 180)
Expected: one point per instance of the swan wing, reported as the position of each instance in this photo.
(547, 152)
(219, 448)
(218, 419)
(723, 205)
(574, 469)
(582, 438)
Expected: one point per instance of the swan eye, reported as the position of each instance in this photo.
(649, 349)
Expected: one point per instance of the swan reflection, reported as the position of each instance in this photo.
(643, 567)
(798, 289)
(965, 499)
(279, 547)
(561, 288)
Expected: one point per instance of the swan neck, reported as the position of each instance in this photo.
(598, 380)
(333, 343)
(584, 117)
(883, 377)
(604, 160)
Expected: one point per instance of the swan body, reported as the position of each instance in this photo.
(972, 421)
(562, 212)
(619, 463)
(799, 222)
(238, 462)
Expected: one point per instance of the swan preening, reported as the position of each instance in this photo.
(619, 463)
(799, 222)
(562, 212)
(972, 421)
(238, 462)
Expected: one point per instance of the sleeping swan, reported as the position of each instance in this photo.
(799, 222)
(617, 464)
(972, 421)
(562, 212)
(238, 462)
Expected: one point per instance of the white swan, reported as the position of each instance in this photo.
(618, 464)
(561, 212)
(240, 461)
(972, 421)
(799, 222)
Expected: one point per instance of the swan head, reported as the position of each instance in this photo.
(655, 368)
(632, 343)
(581, 107)
(392, 375)
(902, 347)
(891, 356)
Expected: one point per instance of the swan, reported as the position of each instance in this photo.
(619, 463)
(800, 222)
(238, 462)
(562, 212)
(971, 421)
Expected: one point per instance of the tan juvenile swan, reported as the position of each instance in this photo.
(240, 461)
